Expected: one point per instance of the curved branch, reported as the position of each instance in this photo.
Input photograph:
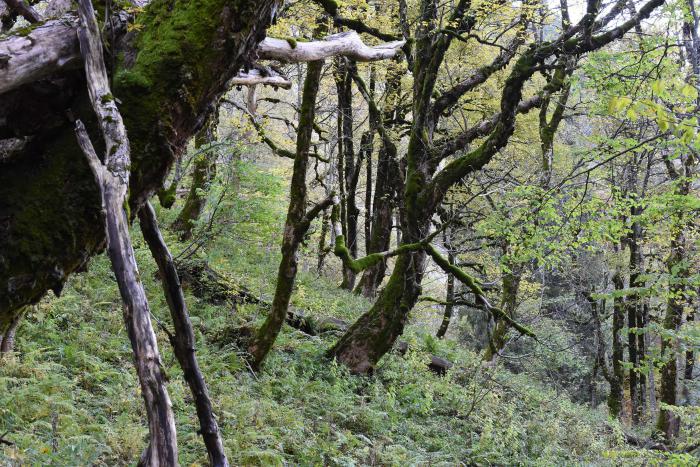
(347, 44)
(474, 287)
(360, 264)
(451, 96)
(331, 7)
(27, 12)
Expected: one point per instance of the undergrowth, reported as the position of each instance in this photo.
(69, 395)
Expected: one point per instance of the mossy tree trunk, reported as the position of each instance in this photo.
(510, 284)
(166, 79)
(297, 222)
(386, 184)
(667, 422)
(203, 174)
(635, 320)
(611, 373)
(450, 289)
(347, 164)
(616, 381)
(449, 301)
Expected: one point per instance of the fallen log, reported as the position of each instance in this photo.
(212, 286)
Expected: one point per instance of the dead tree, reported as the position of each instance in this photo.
(112, 177)
(182, 339)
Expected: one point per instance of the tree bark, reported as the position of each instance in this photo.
(509, 304)
(296, 225)
(183, 340)
(348, 166)
(386, 185)
(113, 178)
(635, 343)
(667, 422)
(375, 332)
(203, 174)
(347, 44)
(449, 299)
(450, 290)
(7, 337)
(616, 397)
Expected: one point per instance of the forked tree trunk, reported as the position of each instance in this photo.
(375, 332)
(113, 179)
(297, 223)
(183, 340)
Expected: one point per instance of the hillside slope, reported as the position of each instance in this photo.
(69, 395)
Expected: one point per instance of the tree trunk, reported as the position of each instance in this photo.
(7, 338)
(509, 304)
(183, 340)
(449, 298)
(375, 332)
(450, 292)
(113, 178)
(635, 319)
(689, 354)
(296, 225)
(667, 422)
(323, 248)
(203, 174)
(351, 211)
(616, 397)
(386, 185)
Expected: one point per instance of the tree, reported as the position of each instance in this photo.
(425, 183)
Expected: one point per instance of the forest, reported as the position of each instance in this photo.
(349, 233)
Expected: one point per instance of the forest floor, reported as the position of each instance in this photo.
(69, 395)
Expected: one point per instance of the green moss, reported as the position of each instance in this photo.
(292, 42)
(107, 98)
(53, 202)
(25, 31)
(166, 197)
(173, 67)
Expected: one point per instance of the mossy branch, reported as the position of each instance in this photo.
(360, 264)
(478, 292)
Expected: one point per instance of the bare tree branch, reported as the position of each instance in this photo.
(348, 44)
